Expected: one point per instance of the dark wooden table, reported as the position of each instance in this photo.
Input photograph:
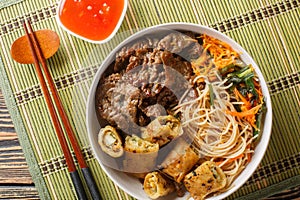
(15, 179)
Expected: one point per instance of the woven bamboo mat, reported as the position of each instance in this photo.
(267, 29)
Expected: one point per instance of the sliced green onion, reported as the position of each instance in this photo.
(259, 119)
(250, 87)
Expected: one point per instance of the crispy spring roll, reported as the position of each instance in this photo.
(205, 179)
(140, 155)
(155, 185)
(180, 160)
(110, 141)
(162, 130)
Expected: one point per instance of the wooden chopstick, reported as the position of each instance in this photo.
(39, 58)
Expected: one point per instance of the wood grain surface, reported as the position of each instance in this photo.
(15, 179)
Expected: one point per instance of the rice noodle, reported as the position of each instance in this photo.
(218, 136)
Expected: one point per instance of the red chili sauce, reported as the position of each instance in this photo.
(92, 19)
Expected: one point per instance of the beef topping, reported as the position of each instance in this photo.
(149, 77)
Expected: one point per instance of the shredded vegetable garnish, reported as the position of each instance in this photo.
(222, 53)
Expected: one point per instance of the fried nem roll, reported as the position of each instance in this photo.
(204, 180)
(140, 155)
(110, 141)
(180, 160)
(162, 130)
(156, 185)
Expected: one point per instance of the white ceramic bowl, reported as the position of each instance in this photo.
(116, 28)
(135, 187)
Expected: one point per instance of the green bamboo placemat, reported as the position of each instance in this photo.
(267, 29)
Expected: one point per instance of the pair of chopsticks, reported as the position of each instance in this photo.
(39, 58)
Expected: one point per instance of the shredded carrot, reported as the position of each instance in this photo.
(249, 156)
(256, 83)
(249, 115)
(239, 96)
(223, 54)
(250, 112)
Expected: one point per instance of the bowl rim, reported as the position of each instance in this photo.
(113, 33)
(266, 133)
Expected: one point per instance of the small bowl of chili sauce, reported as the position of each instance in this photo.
(90, 20)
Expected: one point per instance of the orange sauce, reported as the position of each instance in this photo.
(92, 19)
